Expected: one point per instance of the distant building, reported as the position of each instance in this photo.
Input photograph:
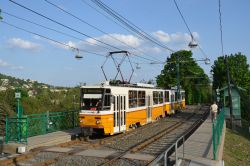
(26, 86)
(5, 82)
(3, 88)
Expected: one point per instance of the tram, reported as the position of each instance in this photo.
(109, 109)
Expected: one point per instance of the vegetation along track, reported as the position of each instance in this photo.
(150, 139)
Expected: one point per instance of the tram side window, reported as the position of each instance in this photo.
(183, 95)
(172, 98)
(141, 98)
(160, 97)
(166, 96)
(175, 94)
(155, 97)
(107, 102)
(132, 99)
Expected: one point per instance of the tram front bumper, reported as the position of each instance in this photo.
(86, 131)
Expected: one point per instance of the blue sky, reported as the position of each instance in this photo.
(25, 55)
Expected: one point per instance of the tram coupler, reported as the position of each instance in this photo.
(86, 132)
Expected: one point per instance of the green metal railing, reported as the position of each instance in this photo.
(19, 129)
(217, 128)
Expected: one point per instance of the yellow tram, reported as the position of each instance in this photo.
(111, 109)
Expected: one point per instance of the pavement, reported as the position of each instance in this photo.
(198, 148)
(49, 139)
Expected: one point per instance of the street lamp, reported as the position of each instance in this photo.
(77, 56)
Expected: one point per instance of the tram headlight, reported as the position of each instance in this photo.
(98, 121)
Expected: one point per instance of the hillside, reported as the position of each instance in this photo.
(8, 82)
(36, 97)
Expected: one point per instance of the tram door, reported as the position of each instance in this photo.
(119, 113)
(149, 108)
(172, 101)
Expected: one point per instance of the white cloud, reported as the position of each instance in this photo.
(183, 37)
(175, 41)
(120, 39)
(162, 36)
(23, 44)
(16, 67)
(5, 64)
(68, 45)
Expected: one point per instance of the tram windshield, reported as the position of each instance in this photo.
(95, 99)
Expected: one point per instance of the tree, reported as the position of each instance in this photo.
(239, 74)
(238, 69)
(192, 77)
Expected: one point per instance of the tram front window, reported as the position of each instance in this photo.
(92, 99)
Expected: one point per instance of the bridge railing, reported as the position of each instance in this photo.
(217, 130)
(19, 129)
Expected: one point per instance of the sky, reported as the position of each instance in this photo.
(94, 34)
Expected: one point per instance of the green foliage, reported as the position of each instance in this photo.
(43, 99)
(192, 77)
(238, 68)
(240, 76)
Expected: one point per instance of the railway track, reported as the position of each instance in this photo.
(136, 147)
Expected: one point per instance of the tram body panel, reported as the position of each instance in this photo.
(135, 117)
(114, 109)
(104, 122)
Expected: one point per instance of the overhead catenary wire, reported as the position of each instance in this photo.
(109, 17)
(176, 5)
(52, 29)
(56, 41)
(52, 20)
(94, 27)
(112, 20)
(61, 24)
(130, 25)
(185, 22)
(50, 39)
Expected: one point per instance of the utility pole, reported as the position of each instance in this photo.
(229, 93)
(0, 15)
(178, 78)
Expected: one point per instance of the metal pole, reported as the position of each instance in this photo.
(176, 157)
(229, 92)
(165, 159)
(178, 78)
(183, 146)
(6, 129)
(18, 121)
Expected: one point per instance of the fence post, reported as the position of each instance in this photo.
(176, 157)
(213, 134)
(27, 129)
(6, 129)
(44, 123)
(165, 159)
(183, 143)
(73, 118)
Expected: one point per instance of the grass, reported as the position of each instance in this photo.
(236, 149)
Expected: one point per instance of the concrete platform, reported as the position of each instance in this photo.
(49, 139)
(96, 153)
(138, 156)
(59, 149)
(198, 149)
